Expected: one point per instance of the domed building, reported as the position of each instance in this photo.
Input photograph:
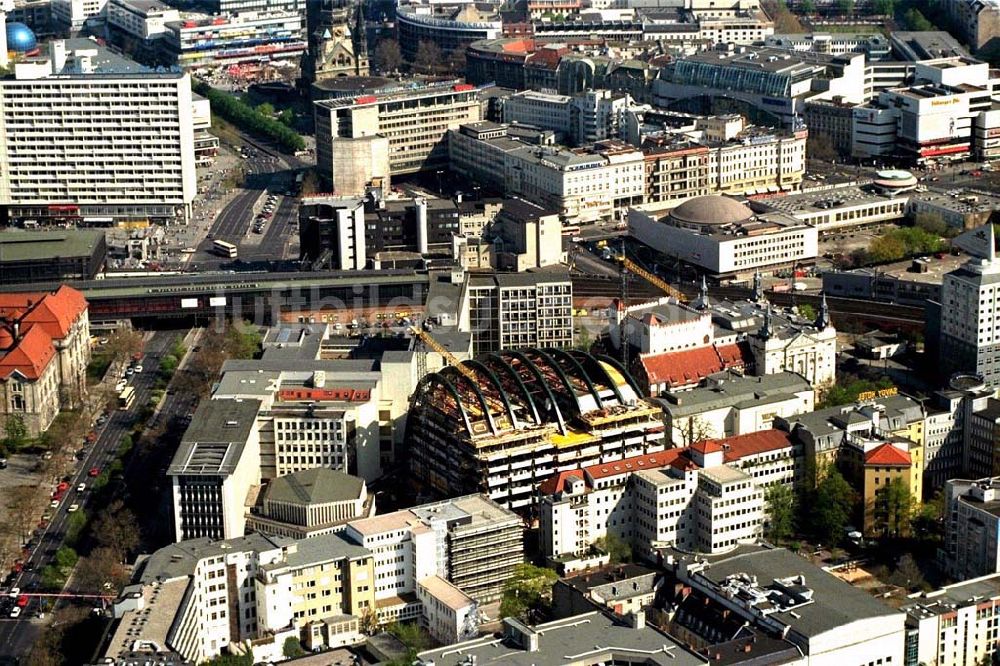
(724, 238)
(21, 40)
(710, 212)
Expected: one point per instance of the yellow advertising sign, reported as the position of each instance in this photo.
(881, 393)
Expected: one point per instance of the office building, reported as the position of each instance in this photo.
(780, 593)
(849, 205)
(198, 41)
(935, 118)
(505, 310)
(144, 20)
(415, 124)
(44, 352)
(561, 643)
(869, 284)
(469, 541)
(310, 503)
(75, 15)
(972, 522)
(707, 497)
(452, 27)
(730, 404)
(954, 624)
(81, 167)
(723, 237)
(584, 118)
(875, 46)
(466, 433)
(676, 170)
(51, 256)
(778, 82)
(969, 299)
(214, 468)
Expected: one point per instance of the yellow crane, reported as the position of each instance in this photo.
(449, 358)
(631, 266)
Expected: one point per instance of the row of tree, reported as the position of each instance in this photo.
(249, 119)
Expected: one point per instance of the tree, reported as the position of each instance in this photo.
(122, 345)
(849, 387)
(388, 56)
(916, 21)
(230, 660)
(780, 501)
(846, 7)
(885, 7)
(456, 61)
(527, 592)
(66, 558)
(292, 648)
(412, 635)
(886, 248)
(246, 117)
(907, 574)
(287, 118)
(266, 109)
(695, 429)
(15, 433)
(618, 549)
(807, 311)
(22, 509)
(98, 570)
(893, 508)
(933, 224)
(117, 529)
(820, 147)
(310, 183)
(784, 20)
(807, 7)
(242, 340)
(428, 57)
(833, 506)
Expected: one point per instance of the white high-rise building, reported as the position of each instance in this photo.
(88, 136)
(970, 302)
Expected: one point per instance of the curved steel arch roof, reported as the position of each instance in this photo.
(496, 382)
(491, 359)
(441, 380)
(541, 381)
(551, 362)
(479, 394)
(561, 353)
(590, 360)
(618, 366)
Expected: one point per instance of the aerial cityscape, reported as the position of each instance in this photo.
(507, 332)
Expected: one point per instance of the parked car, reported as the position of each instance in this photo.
(80, 488)
(73, 508)
(94, 471)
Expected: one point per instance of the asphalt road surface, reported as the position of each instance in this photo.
(18, 635)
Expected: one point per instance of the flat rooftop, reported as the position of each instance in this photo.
(216, 437)
(18, 245)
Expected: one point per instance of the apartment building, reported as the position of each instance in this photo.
(470, 541)
(415, 125)
(707, 497)
(955, 624)
(465, 435)
(972, 522)
(214, 468)
(731, 404)
(66, 161)
(723, 237)
(44, 352)
(978, 21)
(676, 171)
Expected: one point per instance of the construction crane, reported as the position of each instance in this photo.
(449, 358)
(635, 268)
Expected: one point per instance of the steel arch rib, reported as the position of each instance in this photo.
(448, 386)
(541, 381)
(496, 382)
(583, 373)
(604, 371)
(479, 394)
(505, 367)
(562, 375)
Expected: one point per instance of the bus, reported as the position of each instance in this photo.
(224, 249)
(126, 398)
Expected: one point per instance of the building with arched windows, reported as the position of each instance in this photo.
(506, 421)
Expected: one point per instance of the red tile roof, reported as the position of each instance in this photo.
(690, 366)
(634, 464)
(43, 318)
(706, 446)
(31, 355)
(887, 455)
(753, 443)
(557, 482)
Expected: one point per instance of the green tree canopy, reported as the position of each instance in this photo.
(528, 591)
(780, 501)
(833, 506)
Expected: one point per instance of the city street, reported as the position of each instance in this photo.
(17, 635)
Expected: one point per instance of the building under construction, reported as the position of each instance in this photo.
(504, 422)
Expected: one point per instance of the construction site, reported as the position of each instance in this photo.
(503, 423)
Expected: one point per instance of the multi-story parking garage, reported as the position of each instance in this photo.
(505, 422)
